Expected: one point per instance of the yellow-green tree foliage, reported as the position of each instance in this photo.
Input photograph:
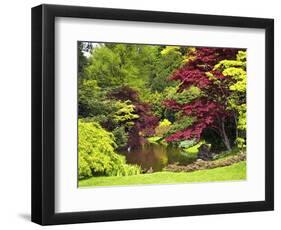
(125, 113)
(96, 153)
(236, 70)
(162, 128)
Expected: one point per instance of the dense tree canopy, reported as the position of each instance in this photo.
(129, 95)
(144, 121)
(221, 83)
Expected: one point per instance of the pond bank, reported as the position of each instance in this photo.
(200, 164)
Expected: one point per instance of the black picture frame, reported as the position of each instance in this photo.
(43, 110)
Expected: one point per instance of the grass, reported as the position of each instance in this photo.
(234, 172)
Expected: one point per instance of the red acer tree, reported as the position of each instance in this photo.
(210, 108)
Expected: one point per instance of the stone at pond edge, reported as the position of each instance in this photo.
(205, 153)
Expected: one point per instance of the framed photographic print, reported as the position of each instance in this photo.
(141, 114)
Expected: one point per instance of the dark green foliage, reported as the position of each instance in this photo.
(121, 137)
(92, 101)
(169, 59)
(186, 96)
(180, 124)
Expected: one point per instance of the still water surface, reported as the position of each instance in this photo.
(156, 156)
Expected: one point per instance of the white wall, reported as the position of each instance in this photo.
(15, 113)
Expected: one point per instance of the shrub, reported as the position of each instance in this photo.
(162, 128)
(195, 148)
(187, 143)
(181, 123)
(96, 153)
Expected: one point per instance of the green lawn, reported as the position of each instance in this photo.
(234, 172)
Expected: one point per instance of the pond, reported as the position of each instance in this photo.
(154, 157)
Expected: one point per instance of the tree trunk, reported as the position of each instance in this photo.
(236, 124)
(225, 137)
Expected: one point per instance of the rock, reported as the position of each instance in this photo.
(150, 170)
(205, 153)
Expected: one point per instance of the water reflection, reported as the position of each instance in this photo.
(155, 157)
